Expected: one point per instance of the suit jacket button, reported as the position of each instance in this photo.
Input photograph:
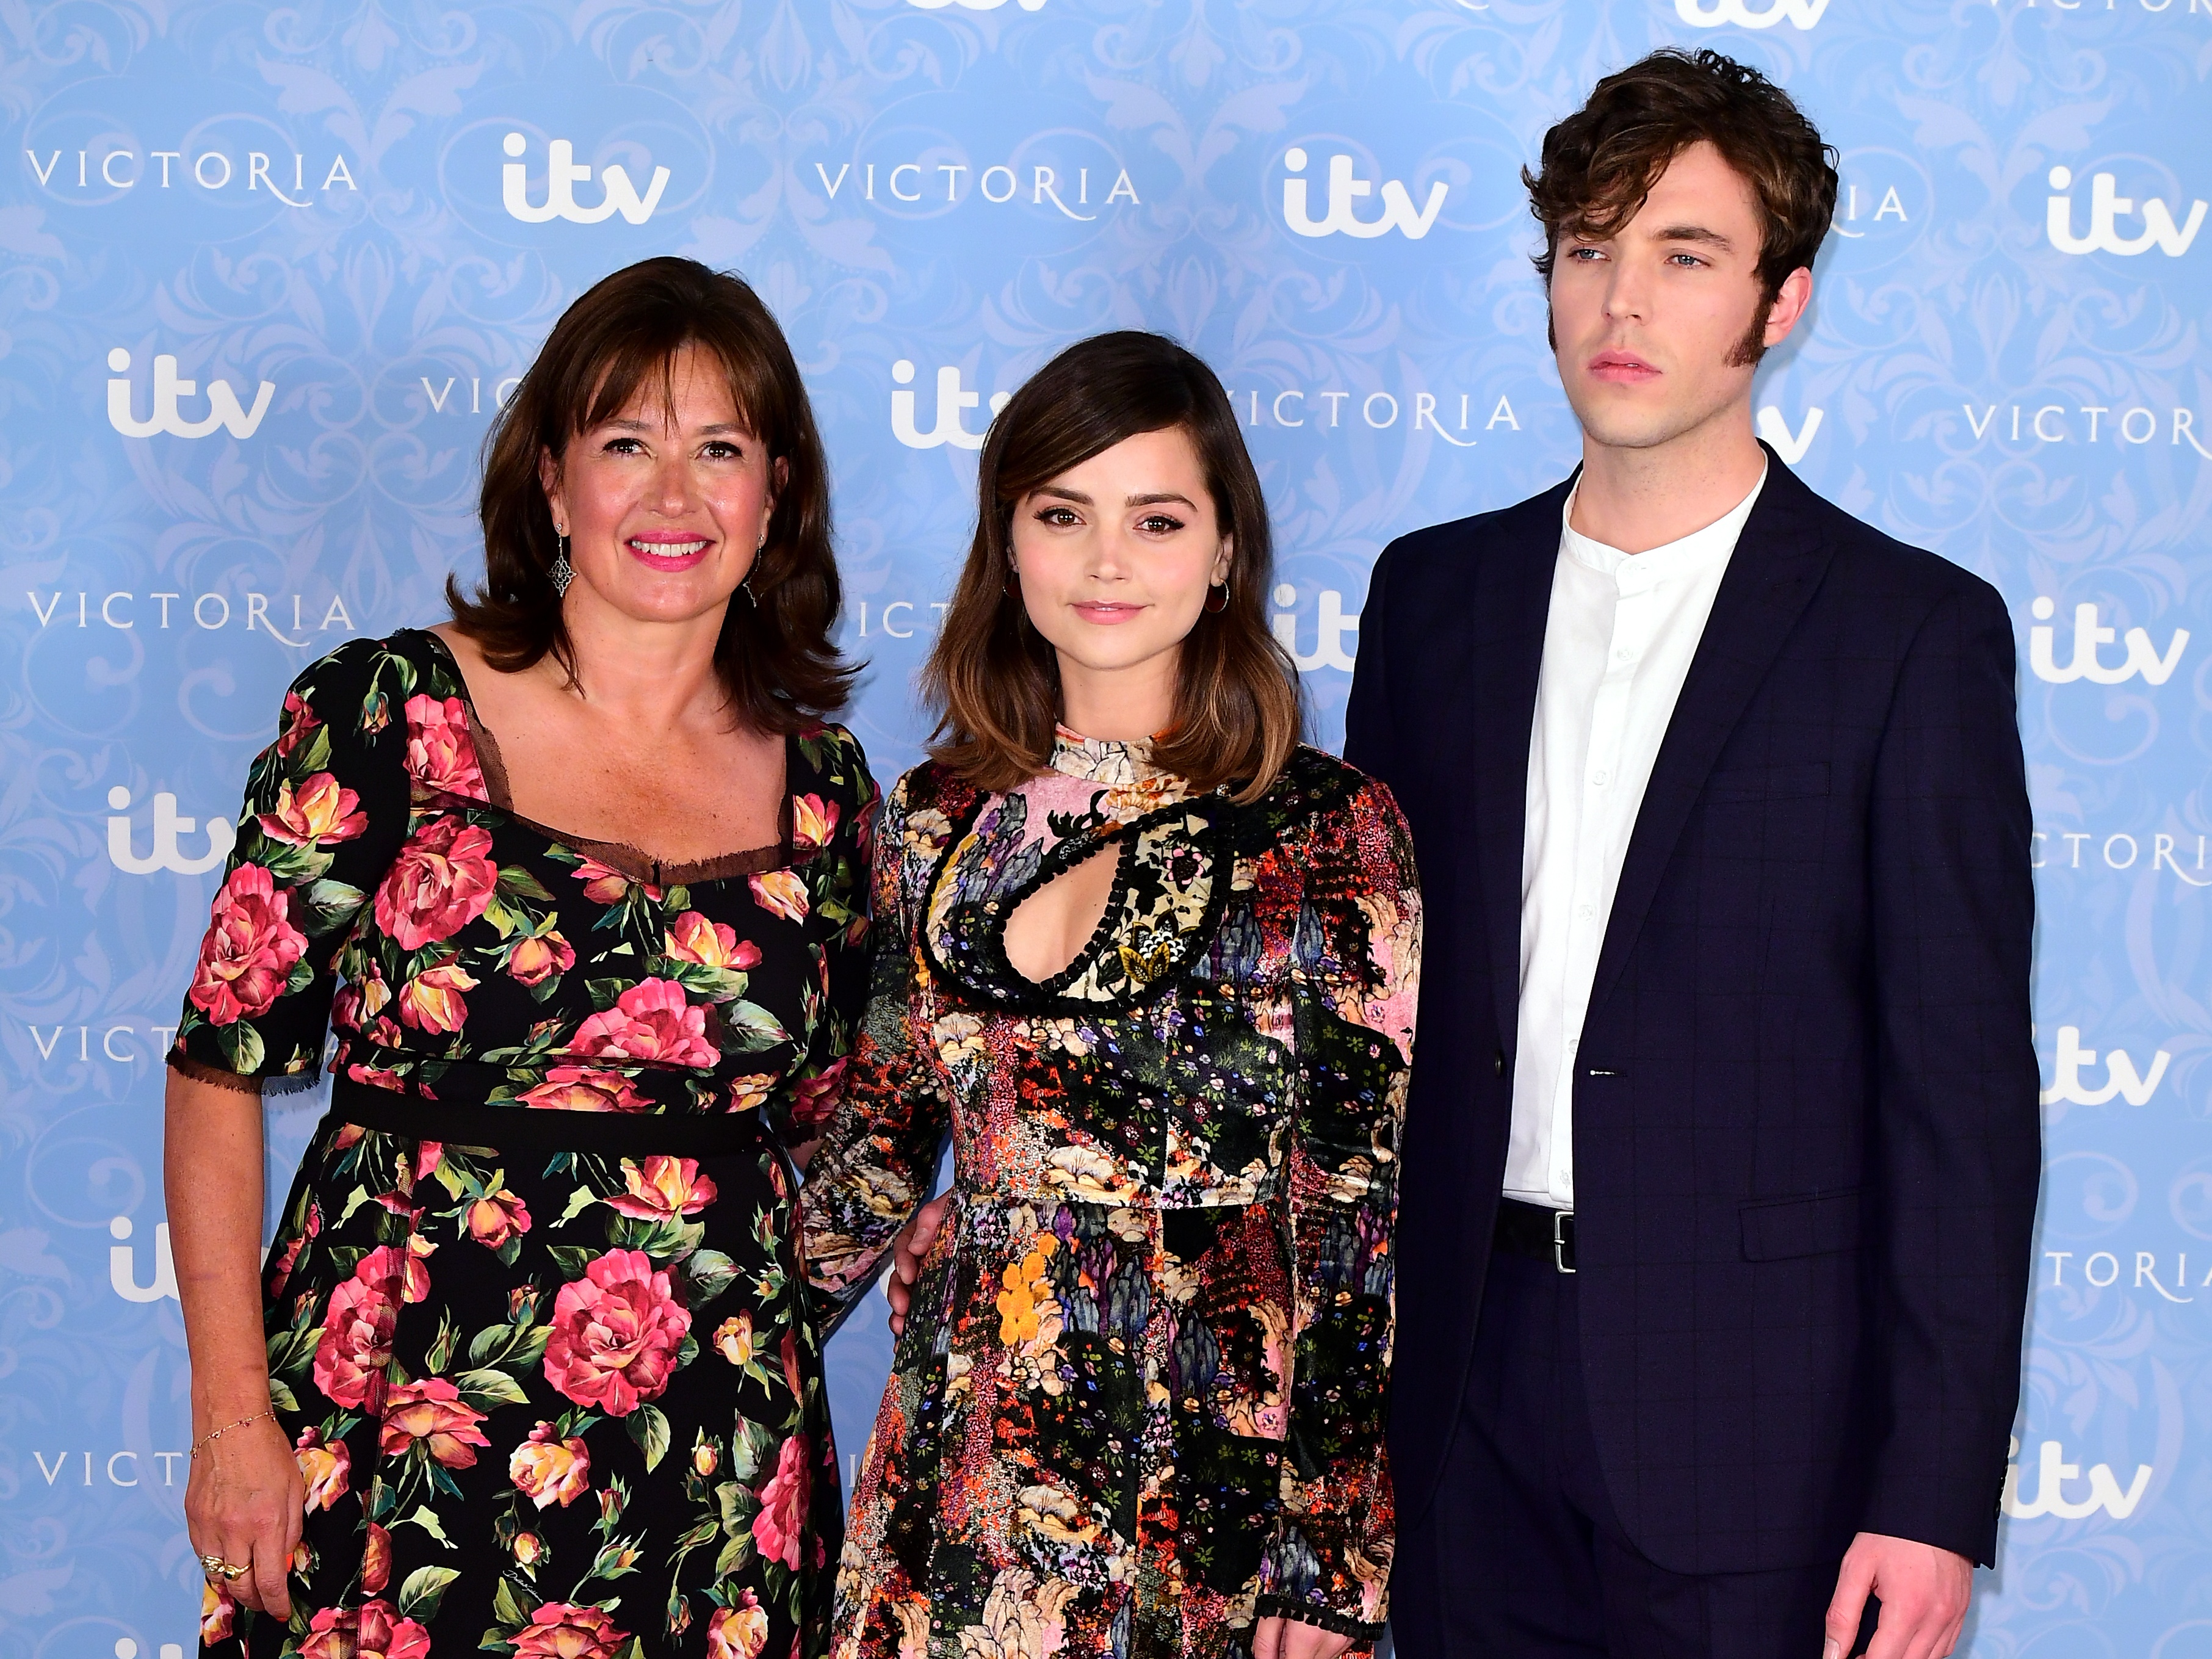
(1497, 1063)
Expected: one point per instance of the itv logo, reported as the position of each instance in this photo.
(166, 853)
(2052, 1472)
(562, 175)
(2107, 207)
(1789, 445)
(1341, 217)
(952, 400)
(2121, 1077)
(224, 410)
(123, 1270)
(2143, 657)
(1718, 13)
(1331, 626)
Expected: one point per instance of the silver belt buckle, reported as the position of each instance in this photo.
(1560, 1219)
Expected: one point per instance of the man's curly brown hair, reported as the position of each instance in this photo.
(1601, 162)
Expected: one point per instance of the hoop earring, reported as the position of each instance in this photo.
(1217, 599)
(1013, 586)
(562, 572)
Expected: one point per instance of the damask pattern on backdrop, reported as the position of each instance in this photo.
(265, 274)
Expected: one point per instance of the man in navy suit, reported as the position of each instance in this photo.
(1722, 1157)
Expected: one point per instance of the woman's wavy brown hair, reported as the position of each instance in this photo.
(996, 680)
(774, 655)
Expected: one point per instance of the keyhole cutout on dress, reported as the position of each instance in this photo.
(1049, 928)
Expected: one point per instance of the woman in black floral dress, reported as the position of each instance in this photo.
(528, 1369)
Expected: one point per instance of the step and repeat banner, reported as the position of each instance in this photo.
(266, 274)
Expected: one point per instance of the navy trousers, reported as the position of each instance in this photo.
(1520, 1555)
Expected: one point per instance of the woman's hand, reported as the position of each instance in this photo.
(1286, 1638)
(907, 1251)
(246, 1502)
(243, 1500)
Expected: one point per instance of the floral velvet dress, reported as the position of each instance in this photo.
(1140, 1396)
(535, 1314)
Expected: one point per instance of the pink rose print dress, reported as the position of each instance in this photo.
(536, 1322)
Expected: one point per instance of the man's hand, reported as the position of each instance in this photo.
(1286, 1638)
(907, 1251)
(1924, 1592)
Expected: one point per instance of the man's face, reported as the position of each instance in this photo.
(1650, 323)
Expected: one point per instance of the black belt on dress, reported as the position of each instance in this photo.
(522, 1128)
(1536, 1230)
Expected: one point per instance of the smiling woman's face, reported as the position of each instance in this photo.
(665, 506)
(1116, 556)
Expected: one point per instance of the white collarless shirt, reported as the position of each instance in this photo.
(1618, 642)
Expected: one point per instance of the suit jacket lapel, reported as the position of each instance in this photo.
(1511, 600)
(1778, 563)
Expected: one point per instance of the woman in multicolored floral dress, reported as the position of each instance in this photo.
(1155, 967)
(528, 1369)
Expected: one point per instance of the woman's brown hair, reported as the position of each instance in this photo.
(775, 657)
(996, 680)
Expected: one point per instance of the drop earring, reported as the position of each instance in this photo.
(745, 583)
(562, 572)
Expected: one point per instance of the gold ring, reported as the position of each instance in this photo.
(215, 1567)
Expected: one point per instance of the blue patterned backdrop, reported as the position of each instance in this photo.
(265, 273)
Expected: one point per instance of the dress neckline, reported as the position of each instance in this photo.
(1115, 762)
(621, 856)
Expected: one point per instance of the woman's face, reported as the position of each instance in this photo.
(1116, 556)
(663, 506)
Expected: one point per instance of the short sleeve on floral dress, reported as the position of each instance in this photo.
(535, 1312)
(1140, 1396)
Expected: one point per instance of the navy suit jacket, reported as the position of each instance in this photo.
(1806, 1132)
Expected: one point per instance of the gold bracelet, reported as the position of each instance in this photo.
(209, 1439)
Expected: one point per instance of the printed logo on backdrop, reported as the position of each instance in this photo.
(2122, 1078)
(1331, 628)
(562, 174)
(122, 1268)
(124, 608)
(2054, 1474)
(1789, 445)
(1749, 14)
(1341, 216)
(167, 850)
(166, 412)
(948, 421)
(1444, 414)
(2107, 207)
(1852, 204)
(2055, 12)
(1882, 197)
(2053, 423)
(2089, 638)
(2063, 849)
(999, 185)
(122, 1469)
(2101, 1270)
(118, 171)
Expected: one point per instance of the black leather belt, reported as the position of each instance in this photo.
(524, 1128)
(1536, 1230)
